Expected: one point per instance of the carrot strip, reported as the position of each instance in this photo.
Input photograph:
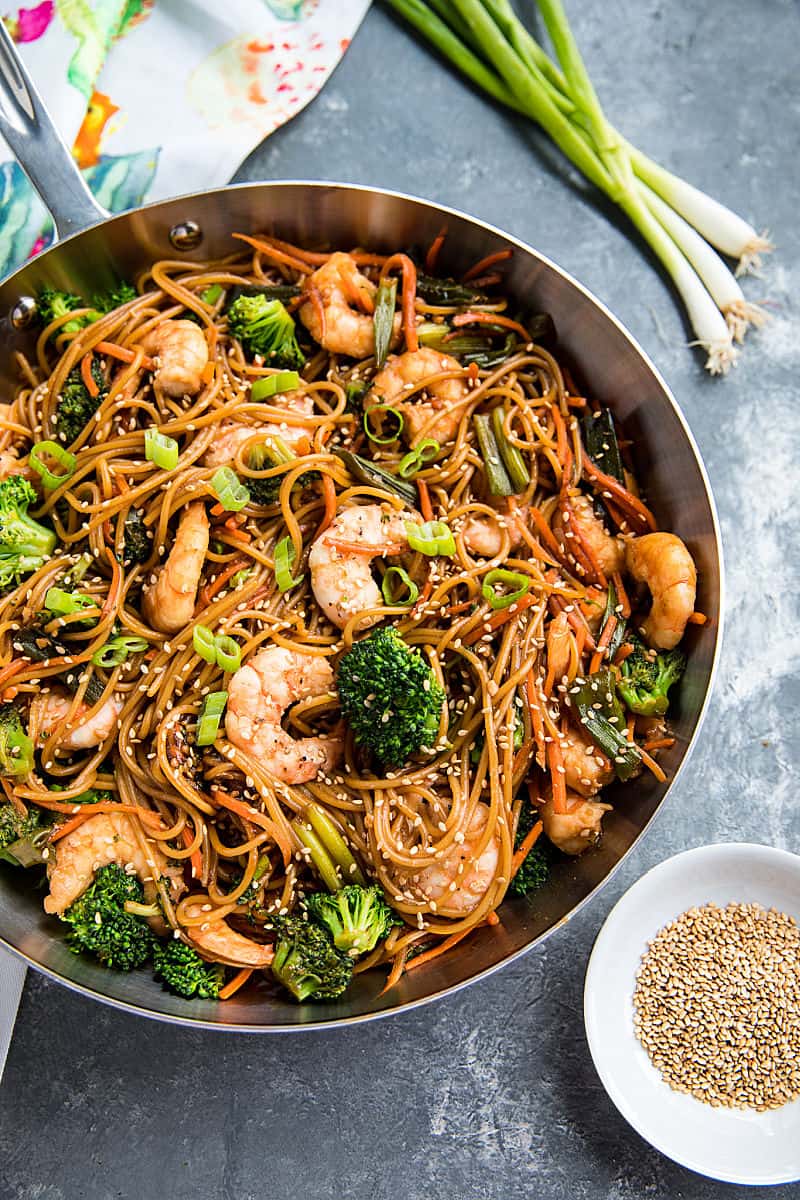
(622, 595)
(652, 765)
(274, 253)
(364, 549)
(409, 297)
(234, 984)
(207, 373)
(485, 318)
(357, 296)
(87, 377)
(489, 261)
(62, 830)
(216, 585)
(238, 535)
(626, 500)
(434, 249)
(10, 670)
(442, 948)
(623, 653)
(562, 444)
(536, 718)
(603, 643)
(116, 584)
(499, 618)
(329, 497)
(546, 533)
(662, 743)
(315, 296)
(256, 818)
(424, 500)
(121, 485)
(697, 618)
(525, 847)
(123, 354)
(196, 857)
(398, 966)
(145, 815)
(555, 761)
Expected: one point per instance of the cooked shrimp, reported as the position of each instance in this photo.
(559, 647)
(11, 465)
(458, 881)
(232, 435)
(586, 768)
(344, 329)
(662, 561)
(607, 551)
(483, 535)
(259, 694)
(577, 829)
(341, 577)
(52, 707)
(440, 414)
(182, 353)
(219, 942)
(168, 604)
(103, 839)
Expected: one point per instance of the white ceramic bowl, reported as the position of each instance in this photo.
(734, 1145)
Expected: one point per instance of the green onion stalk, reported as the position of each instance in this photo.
(682, 226)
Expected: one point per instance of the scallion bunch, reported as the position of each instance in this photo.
(684, 227)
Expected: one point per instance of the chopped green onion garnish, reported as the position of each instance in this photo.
(284, 561)
(512, 457)
(496, 474)
(228, 652)
(372, 475)
(394, 414)
(212, 294)
(56, 600)
(432, 538)
(118, 650)
(229, 490)
(210, 717)
(383, 318)
(424, 452)
(334, 844)
(404, 581)
(161, 450)
(272, 385)
(505, 579)
(52, 479)
(204, 643)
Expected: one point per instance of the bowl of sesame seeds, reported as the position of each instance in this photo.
(692, 1011)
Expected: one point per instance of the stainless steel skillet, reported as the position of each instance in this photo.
(94, 249)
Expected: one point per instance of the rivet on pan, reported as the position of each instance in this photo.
(23, 312)
(186, 235)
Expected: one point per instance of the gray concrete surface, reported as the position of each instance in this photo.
(492, 1094)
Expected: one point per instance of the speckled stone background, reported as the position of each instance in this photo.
(492, 1094)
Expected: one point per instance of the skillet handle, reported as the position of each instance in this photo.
(27, 127)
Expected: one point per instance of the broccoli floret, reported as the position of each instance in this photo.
(25, 545)
(646, 677)
(264, 327)
(536, 865)
(136, 544)
(185, 972)
(23, 840)
(357, 918)
(261, 458)
(390, 696)
(306, 961)
(106, 302)
(16, 748)
(75, 406)
(101, 926)
(51, 304)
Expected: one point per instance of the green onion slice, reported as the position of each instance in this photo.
(424, 452)
(432, 538)
(204, 643)
(229, 489)
(212, 294)
(499, 577)
(210, 717)
(56, 600)
(228, 652)
(118, 650)
(394, 414)
(383, 318)
(52, 479)
(404, 581)
(284, 561)
(160, 449)
(272, 385)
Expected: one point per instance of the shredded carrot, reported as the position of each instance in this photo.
(603, 643)
(212, 334)
(622, 595)
(234, 984)
(630, 726)
(662, 743)
(270, 251)
(580, 640)
(61, 831)
(87, 377)
(434, 249)
(479, 267)
(525, 847)
(216, 585)
(123, 354)
(315, 296)
(409, 296)
(623, 653)
(398, 966)
(577, 401)
(425, 506)
(217, 510)
(121, 485)
(697, 618)
(631, 504)
(442, 948)
(424, 597)
(582, 550)
(329, 498)
(472, 371)
(486, 318)
(522, 755)
(357, 295)
(116, 584)
(365, 549)
(145, 815)
(555, 761)
(499, 618)
(196, 857)
(207, 373)
(563, 449)
(256, 818)
(492, 919)
(652, 765)
(10, 692)
(10, 670)
(536, 718)
(487, 281)
(546, 533)
(238, 535)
